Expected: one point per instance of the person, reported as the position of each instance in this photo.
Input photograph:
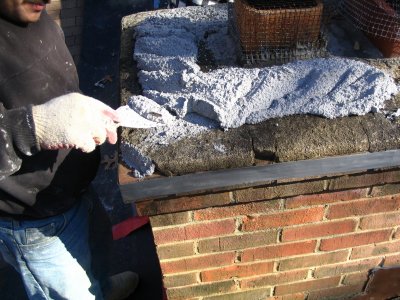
(49, 133)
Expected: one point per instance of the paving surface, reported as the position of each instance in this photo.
(100, 56)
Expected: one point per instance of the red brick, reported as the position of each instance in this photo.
(392, 260)
(280, 250)
(170, 219)
(396, 235)
(175, 250)
(201, 290)
(355, 239)
(356, 278)
(364, 180)
(241, 295)
(238, 270)
(318, 230)
(324, 198)
(341, 292)
(236, 242)
(199, 262)
(193, 231)
(376, 250)
(286, 218)
(313, 260)
(349, 267)
(179, 280)
(156, 207)
(273, 279)
(380, 221)
(296, 296)
(387, 189)
(364, 207)
(305, 286)
(236, 210)
(278, 191)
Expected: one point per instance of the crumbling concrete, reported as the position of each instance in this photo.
(290, 138)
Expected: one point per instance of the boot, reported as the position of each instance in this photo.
(120, 286)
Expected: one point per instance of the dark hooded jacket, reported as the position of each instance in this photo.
(35, 67)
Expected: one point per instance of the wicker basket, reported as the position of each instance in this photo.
(379, 21)
(262, 26)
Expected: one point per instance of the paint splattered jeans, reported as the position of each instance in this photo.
(52, 255)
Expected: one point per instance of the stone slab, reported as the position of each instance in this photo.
(230, 179)
(277, 140)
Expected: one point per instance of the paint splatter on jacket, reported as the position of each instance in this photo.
(35, 67)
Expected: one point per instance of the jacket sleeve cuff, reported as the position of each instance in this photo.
(20, 121)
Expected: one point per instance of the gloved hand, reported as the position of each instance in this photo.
(74, 120)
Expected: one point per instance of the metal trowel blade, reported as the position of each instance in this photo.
(130, 118)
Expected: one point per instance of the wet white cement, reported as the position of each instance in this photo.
(190, 101)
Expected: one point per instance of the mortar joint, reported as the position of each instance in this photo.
(326, 211)
(326, 185)
(358, 224)
(238, 256)
(393, 234)
(279, 235)
(237, 283)
(317, 246)
(232, 198)
(277, 265)
(238, 225)
(191, 216)
(282, 203)
(196, 249)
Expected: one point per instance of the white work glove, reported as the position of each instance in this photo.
(74, 121)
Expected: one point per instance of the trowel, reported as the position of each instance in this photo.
(130, 118)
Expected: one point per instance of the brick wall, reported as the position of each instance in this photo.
(69, 15)
(307, 239)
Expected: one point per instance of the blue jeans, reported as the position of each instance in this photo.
(52, 255)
